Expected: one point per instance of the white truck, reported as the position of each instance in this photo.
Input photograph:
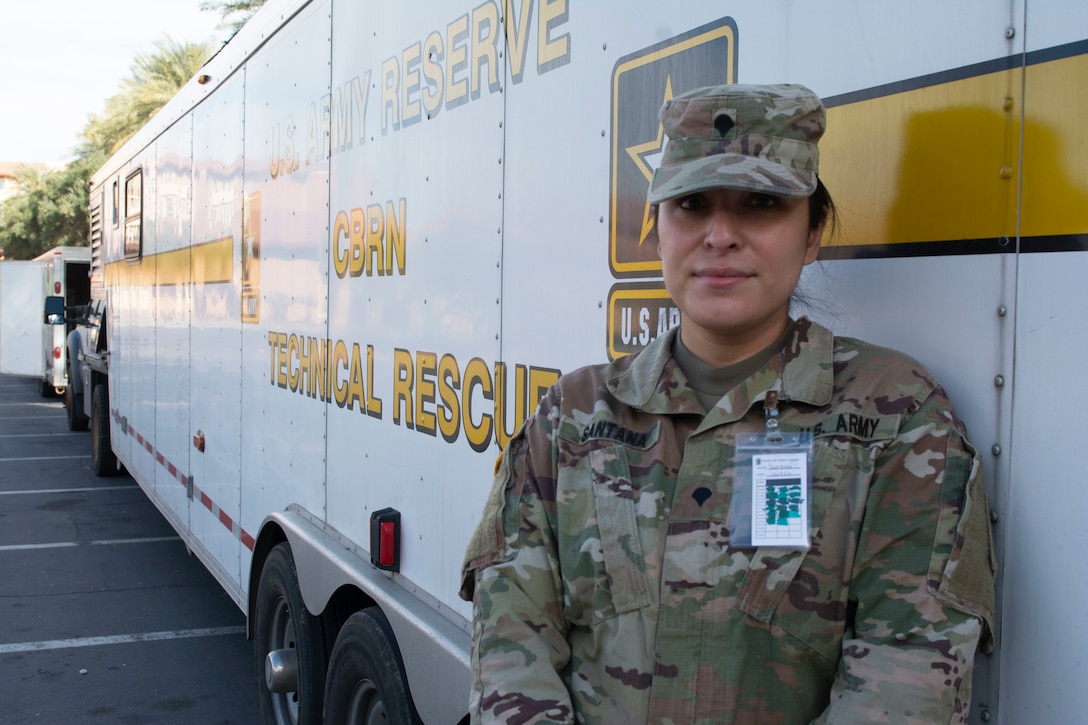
(67, 291)
(335, 272)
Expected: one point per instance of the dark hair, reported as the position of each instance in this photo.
(821, 208)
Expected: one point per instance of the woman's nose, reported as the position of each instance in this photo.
(722, 231)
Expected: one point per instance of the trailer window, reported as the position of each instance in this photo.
(134, 216)
(116, 203)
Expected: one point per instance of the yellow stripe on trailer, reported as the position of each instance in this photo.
(932, 164)
(1055, 187)
(208, 263)
(928, 161)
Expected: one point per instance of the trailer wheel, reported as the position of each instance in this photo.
(74, 405)
(284, 631)
(103, 461)
(366, 683)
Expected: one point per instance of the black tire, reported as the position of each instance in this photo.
(103, 461)
(73, 403)
(283, 622)
(366, 683)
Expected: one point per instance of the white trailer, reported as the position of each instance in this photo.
(21, 318)
(338, 269)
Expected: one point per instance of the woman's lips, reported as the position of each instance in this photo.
(722, 276)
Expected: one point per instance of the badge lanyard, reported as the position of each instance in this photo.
(772, 484)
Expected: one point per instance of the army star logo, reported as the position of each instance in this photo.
(647, 157)
(641, 83)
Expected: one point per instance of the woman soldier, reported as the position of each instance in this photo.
(752, 520)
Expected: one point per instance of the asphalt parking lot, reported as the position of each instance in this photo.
(104, 616)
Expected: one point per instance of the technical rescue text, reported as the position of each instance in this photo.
(426, 392)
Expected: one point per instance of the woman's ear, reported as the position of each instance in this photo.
(812, 244)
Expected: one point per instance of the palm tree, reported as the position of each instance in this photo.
(155, 79)
(51, 210)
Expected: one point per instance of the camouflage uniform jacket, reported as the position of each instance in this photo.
(606, 589)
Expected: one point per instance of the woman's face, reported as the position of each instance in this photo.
(731, 260)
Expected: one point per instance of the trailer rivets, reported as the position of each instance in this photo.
(1010, 32)
(995, 449)
(1006, 172)
(999, 381)
(984, 715)
(993, 517)
(1002, 311)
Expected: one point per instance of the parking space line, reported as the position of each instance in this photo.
(21, 647)
(74, 544)
(43, 458)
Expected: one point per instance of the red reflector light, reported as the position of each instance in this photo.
(56, 288)
(388, 545)
(385, 539)
(56, 353)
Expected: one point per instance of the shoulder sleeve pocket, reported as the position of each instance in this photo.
(964, 565)
(488, 541)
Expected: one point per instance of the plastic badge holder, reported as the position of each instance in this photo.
(772, 486)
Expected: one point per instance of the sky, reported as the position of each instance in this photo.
(61, 59)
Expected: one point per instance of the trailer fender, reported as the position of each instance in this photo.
(434, 640)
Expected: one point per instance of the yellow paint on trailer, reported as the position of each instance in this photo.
(1055, 184)
(208, 263)
(931, 164)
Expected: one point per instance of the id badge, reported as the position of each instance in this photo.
(772, 485)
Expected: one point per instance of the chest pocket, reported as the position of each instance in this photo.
(803, 592)
(624, 586)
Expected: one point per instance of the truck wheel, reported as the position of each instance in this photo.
(366, 683)
(103, 462)
(286, 633)
(74, 405)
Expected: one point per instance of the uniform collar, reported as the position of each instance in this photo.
(802, 372)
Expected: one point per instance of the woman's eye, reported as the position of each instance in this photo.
(692, 201)
(762, 201)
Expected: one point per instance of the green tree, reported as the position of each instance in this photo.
(51, 210)
(155, 79)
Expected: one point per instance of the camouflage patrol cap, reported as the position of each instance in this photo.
(755, 138)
